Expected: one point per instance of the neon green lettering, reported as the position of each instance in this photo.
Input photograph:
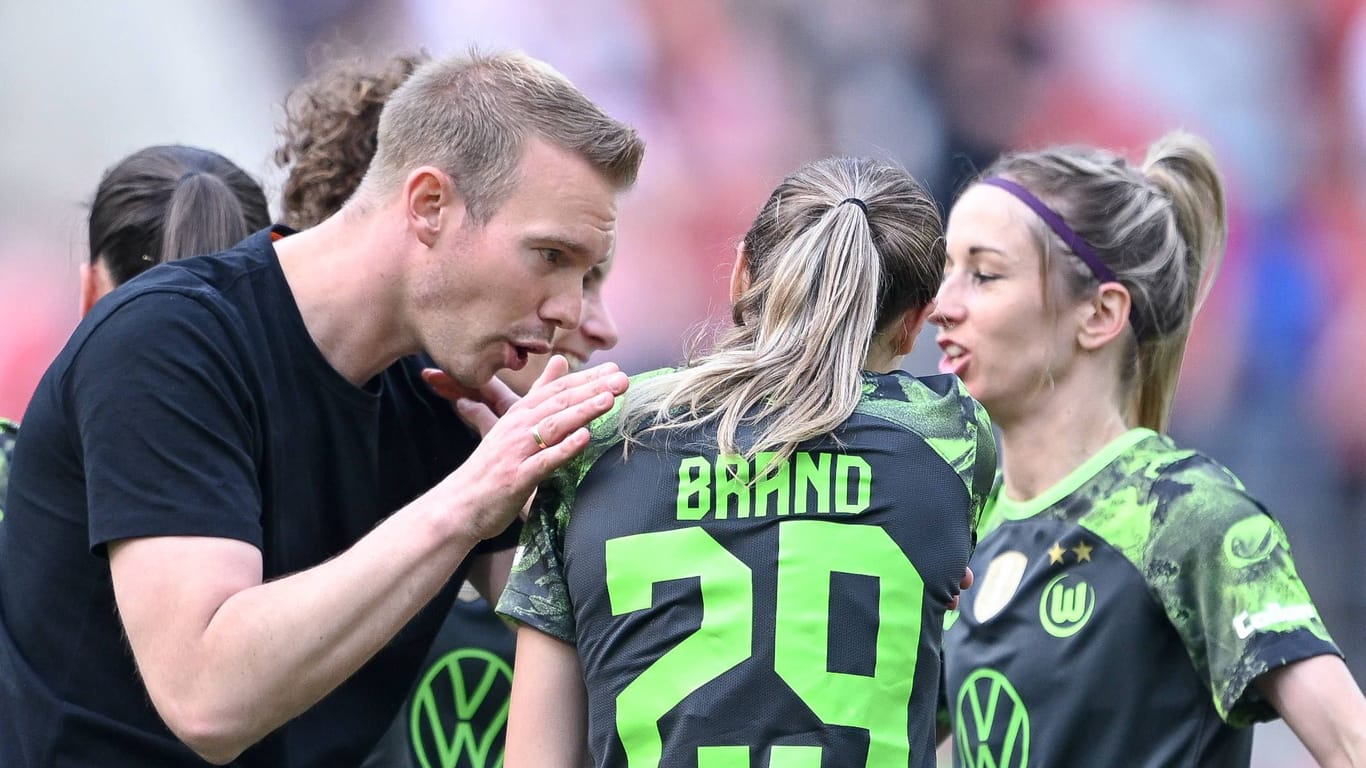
(732, 482)
(844, 464)
(776, 481)
(813, 474)
(690, 485)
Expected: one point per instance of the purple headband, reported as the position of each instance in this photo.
(1059, 227)
(1074, 241)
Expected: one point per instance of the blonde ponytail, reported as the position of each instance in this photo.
(1182, 166)
(842, 247)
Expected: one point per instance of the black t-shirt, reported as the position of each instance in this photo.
(765, 612)
(193, 402)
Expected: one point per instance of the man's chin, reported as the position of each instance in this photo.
(464, 376)
(517, 381)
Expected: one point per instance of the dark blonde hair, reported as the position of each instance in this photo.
(330, 132)
(1160, 227)
(472, 115)
(842, 248)
(168, 202)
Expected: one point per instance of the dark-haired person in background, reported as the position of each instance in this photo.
(159, 204)
(165, 203)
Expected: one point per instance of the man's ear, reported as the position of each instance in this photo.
(1104, 316)
(431, 202)
(739, 274)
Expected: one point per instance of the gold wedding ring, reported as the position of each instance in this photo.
(540, 443)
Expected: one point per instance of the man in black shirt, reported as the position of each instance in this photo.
(201, 557)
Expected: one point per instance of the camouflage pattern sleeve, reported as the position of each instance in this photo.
(9, 432)
(1221, 567)
(536, 592)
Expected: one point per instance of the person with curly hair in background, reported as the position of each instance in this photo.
(330, 131)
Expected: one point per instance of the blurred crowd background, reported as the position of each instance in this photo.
(731, 94)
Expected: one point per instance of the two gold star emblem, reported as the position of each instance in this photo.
(1082, 551)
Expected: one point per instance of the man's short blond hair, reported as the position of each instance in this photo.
(472, 115)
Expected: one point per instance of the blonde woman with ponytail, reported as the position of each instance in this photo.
(1135, 605)
(752, 561)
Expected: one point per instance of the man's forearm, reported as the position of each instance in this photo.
(225, 677)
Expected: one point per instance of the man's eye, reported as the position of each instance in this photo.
(551, 255)
(984, 277)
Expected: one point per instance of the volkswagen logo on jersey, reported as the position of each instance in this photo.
(993, 725)
(466, 686)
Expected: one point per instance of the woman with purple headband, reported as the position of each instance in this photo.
(1135, 605)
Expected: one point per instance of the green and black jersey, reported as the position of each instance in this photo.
(1120, 618)
(737, 613)
(9, 432)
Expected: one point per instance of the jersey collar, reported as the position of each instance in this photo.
(1010, 509)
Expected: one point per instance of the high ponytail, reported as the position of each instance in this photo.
(841, 249)
(1182, 166)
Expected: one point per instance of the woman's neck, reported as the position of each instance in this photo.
(1063, 430)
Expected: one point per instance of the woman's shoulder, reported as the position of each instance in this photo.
(1185, 480)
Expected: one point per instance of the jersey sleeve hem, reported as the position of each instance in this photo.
(513, 605)
(1242, 703)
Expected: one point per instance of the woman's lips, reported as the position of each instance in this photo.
(955, 358)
